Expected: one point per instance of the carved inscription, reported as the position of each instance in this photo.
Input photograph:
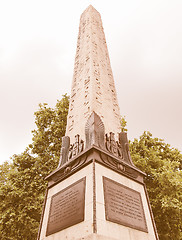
(76, 147)
(113, 146)
(93, 86)
(67, 207)
(123, 205)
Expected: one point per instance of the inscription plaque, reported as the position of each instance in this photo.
(67, 207)
(123, 205)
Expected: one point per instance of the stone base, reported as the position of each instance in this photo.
(96, 237)
(97, 223)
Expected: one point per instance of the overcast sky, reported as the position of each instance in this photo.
(37, 49)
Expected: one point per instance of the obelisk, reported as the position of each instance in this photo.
(96, 192)
(93, 87)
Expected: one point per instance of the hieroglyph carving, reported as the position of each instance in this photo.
(93, 84)
(76, 148)
(113, 146)
(119, 148)
(68, 150)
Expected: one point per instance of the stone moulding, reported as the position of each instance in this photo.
(103, 157)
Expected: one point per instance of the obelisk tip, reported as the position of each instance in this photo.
(90, 8)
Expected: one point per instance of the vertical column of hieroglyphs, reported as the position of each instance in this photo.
(93, 85)
(105, 100)
(80, 99)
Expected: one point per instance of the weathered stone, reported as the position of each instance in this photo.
(64, 150)
(94, 131)
(76, 148)
(93, 86)
(113, 146)
(123, 140)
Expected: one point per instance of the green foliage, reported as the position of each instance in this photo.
(51, 126)
(162, 164)
(22, 181)
(20, 199)
(123, 123)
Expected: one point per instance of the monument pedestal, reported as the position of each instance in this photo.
(96, 196)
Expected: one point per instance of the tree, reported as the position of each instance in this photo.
(51, 127)
(162, 164)
(22, 181)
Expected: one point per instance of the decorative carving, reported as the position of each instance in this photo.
(123, 140)
(76, 148)
(113, 146)
(70, 167)
(67, 169)
(109, 161)
(69, 151)
(92, 64)
(119, 148)
(131, 172)
(118, 165)
(64, 150)
(94, 131)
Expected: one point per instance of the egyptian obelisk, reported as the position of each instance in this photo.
(96, 192)
(93, 86)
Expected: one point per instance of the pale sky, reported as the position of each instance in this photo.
(37, 49)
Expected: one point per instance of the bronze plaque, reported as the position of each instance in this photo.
(123, 205)
(67, 207)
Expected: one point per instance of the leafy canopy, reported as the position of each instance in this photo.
(22, 184)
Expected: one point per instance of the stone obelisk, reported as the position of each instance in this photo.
(96, 192)
(93, 86)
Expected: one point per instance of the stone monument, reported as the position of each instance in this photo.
(96, 192)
